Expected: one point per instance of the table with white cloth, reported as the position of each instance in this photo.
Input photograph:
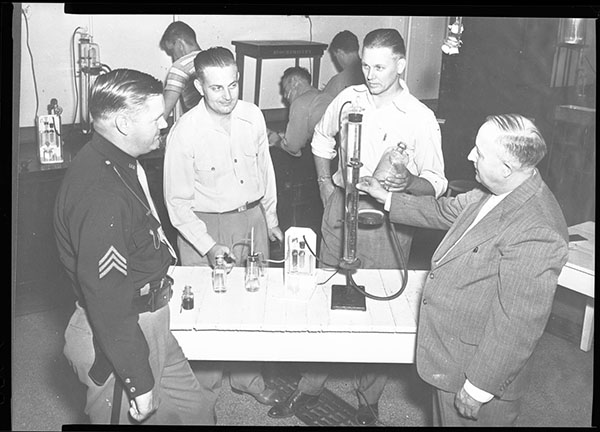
(579, 275)
(278, 323)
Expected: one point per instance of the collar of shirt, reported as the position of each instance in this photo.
(401, 101)
(189, 57)
(239, 112)
(114, 153)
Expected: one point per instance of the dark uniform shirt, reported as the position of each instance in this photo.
(108, 242)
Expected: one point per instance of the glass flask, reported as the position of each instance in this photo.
(393, 161)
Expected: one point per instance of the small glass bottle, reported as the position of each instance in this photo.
(187, 299)
(219, 275)
(253, 273)
(393, 161)
(302, 258)
(294, 255)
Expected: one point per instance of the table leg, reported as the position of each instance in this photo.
(587, 334)
(240, 65)
(316, 66)
(257, 81)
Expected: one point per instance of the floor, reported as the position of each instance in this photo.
(47, 395)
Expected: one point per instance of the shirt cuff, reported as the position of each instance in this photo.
(476, 393)
(388, 202)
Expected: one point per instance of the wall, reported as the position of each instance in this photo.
(132, 42)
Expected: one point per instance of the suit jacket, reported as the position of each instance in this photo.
(486, 302)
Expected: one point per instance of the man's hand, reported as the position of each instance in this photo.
(372, 186)
(143, 406)
(274, 138)
(276, 234)
(466, 405)
(216, 250)
(399, 182)
(326, 189)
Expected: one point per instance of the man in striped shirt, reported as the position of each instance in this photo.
(179, 42)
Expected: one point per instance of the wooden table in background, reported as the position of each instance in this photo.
(579, 275)
(271, 325)
(276, 49)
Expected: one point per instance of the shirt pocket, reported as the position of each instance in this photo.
(250, 155)
(205, 172)
(143, 237)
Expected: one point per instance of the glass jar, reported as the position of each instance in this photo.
(254, 273)
(219, 275)
(187, 298)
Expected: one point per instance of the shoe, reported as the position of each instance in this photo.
(269, 396)
(295, 402)
(367, 414)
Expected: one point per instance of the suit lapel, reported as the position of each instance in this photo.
(458, 228)
(488, 226)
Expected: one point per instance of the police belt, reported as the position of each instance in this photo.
(240, 209)
(153, 296)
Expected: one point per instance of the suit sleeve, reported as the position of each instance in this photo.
(102, 231)
(429, 212)
(530, 263)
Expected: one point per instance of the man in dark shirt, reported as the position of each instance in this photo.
(344, 52)
(117, 257)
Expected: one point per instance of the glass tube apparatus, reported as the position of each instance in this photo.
(351, 200)
(346, 296)
(89, 67)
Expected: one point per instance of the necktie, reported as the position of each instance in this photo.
(144, 183)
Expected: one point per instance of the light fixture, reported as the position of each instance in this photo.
(452, 42)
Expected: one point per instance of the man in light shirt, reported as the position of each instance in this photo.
(489, 293)
(220, 189)
(390, 115)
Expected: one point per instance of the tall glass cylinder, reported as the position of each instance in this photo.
(353, 172)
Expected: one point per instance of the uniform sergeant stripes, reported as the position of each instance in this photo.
(112, 259)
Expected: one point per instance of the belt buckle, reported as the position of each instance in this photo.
(242, 208)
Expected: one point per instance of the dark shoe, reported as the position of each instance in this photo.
(295, 402)
(367, 414)
(269, 396)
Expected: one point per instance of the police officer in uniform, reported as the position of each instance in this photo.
(112, 245)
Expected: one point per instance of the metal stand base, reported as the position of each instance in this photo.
(346, 297)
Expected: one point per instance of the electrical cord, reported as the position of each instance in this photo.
(329, 278)
(37, 100)
(340, 115)
(354, 285)
(402, 267)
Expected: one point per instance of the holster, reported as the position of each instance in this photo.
(153, 296)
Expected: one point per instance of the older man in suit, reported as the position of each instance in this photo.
(489, 293)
